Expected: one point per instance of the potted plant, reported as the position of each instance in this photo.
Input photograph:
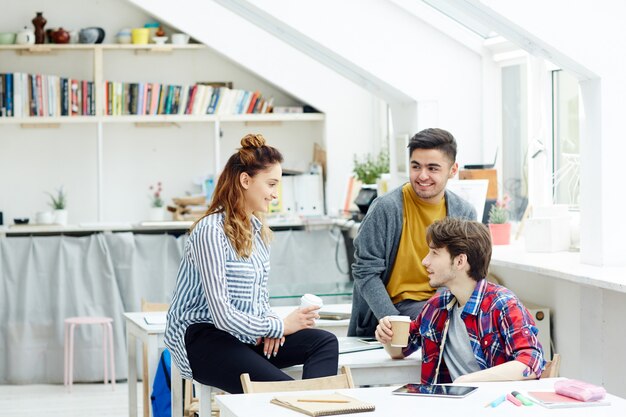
(370, 169)
(58, 202)
(499, 225)
(157, 213)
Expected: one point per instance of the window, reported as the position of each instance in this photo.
(565, 139)
(514, 133)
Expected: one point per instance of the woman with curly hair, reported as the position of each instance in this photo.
(220, 324)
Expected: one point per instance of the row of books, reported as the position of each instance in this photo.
(24, 95)
(197, 99)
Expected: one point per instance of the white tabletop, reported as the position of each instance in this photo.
(389, 405)
(283, 311)
(139, 318)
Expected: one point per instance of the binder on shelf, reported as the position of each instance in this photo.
(309, 194)
(286, 195)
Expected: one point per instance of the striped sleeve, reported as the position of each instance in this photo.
(266, 306)
(208, 252)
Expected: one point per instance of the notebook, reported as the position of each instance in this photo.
(323, 405)
(551, 399)
(332, 315)
(354, 344)
(159, 318)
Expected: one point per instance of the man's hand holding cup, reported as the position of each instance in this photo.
(393, 330)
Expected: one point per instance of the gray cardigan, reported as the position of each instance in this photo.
(376, 247)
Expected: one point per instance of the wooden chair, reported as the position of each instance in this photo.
(343, 380)
(147, 307)
(552, 367)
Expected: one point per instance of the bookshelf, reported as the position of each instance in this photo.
(93, 58)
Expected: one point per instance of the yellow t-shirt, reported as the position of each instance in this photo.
(409, 279)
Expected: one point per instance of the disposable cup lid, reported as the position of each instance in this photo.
(312, 298)
(400, 318)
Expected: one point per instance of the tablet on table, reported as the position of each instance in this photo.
(449, 391)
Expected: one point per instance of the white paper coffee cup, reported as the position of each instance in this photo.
(400, 329)
(311, 300)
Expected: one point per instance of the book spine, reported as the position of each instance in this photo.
(214, 99)
(64, 96)
(9, 94)
(162, 99)
(39, 95)
(170, 97)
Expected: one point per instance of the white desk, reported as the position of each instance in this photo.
(151, 335)
(337, 327)
(372, 367)
(243, 405)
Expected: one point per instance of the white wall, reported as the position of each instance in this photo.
(586, 323)
(33, 161)
(352, 123)
(592, 35)
(415, 57)
(405, 51)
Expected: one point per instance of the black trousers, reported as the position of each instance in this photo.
(218, 359)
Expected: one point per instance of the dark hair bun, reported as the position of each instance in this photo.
(253, 141)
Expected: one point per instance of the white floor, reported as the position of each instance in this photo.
(85, 400)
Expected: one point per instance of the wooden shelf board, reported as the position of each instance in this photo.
(166, 118)
(51, 47)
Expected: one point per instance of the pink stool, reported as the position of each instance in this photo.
(107, 338)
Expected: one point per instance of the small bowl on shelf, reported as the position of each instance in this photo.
(91, 35)
(123, 36)
(7, 38)
(160, 40)
(21, 220)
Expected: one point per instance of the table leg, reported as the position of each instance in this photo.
(144, 382)
(205, 399)
(132, 373)
(153, 359)
(177, 391)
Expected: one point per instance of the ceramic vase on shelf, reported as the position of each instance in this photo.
(60, 217)
(156, 214)
(39, 22)
(500, 233)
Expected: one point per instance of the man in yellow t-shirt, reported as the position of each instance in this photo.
(389, 278)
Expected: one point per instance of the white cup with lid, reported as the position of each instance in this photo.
(311, 300)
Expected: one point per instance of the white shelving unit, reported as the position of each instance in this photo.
(99, 52)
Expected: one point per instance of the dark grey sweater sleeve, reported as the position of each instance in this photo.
(372, 245)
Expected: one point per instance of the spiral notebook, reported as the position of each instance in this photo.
(323, 405)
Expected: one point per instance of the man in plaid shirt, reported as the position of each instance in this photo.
(472, 330)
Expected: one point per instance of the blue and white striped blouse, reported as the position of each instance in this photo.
(215, 285)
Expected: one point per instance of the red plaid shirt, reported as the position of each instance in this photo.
(499, 327)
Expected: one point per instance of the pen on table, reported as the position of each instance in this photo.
(321, 400)
(496, 402)
(514, 400)
(523, 399)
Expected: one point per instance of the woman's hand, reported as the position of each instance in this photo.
(271, 345)
(300, 318)
(383, 331)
